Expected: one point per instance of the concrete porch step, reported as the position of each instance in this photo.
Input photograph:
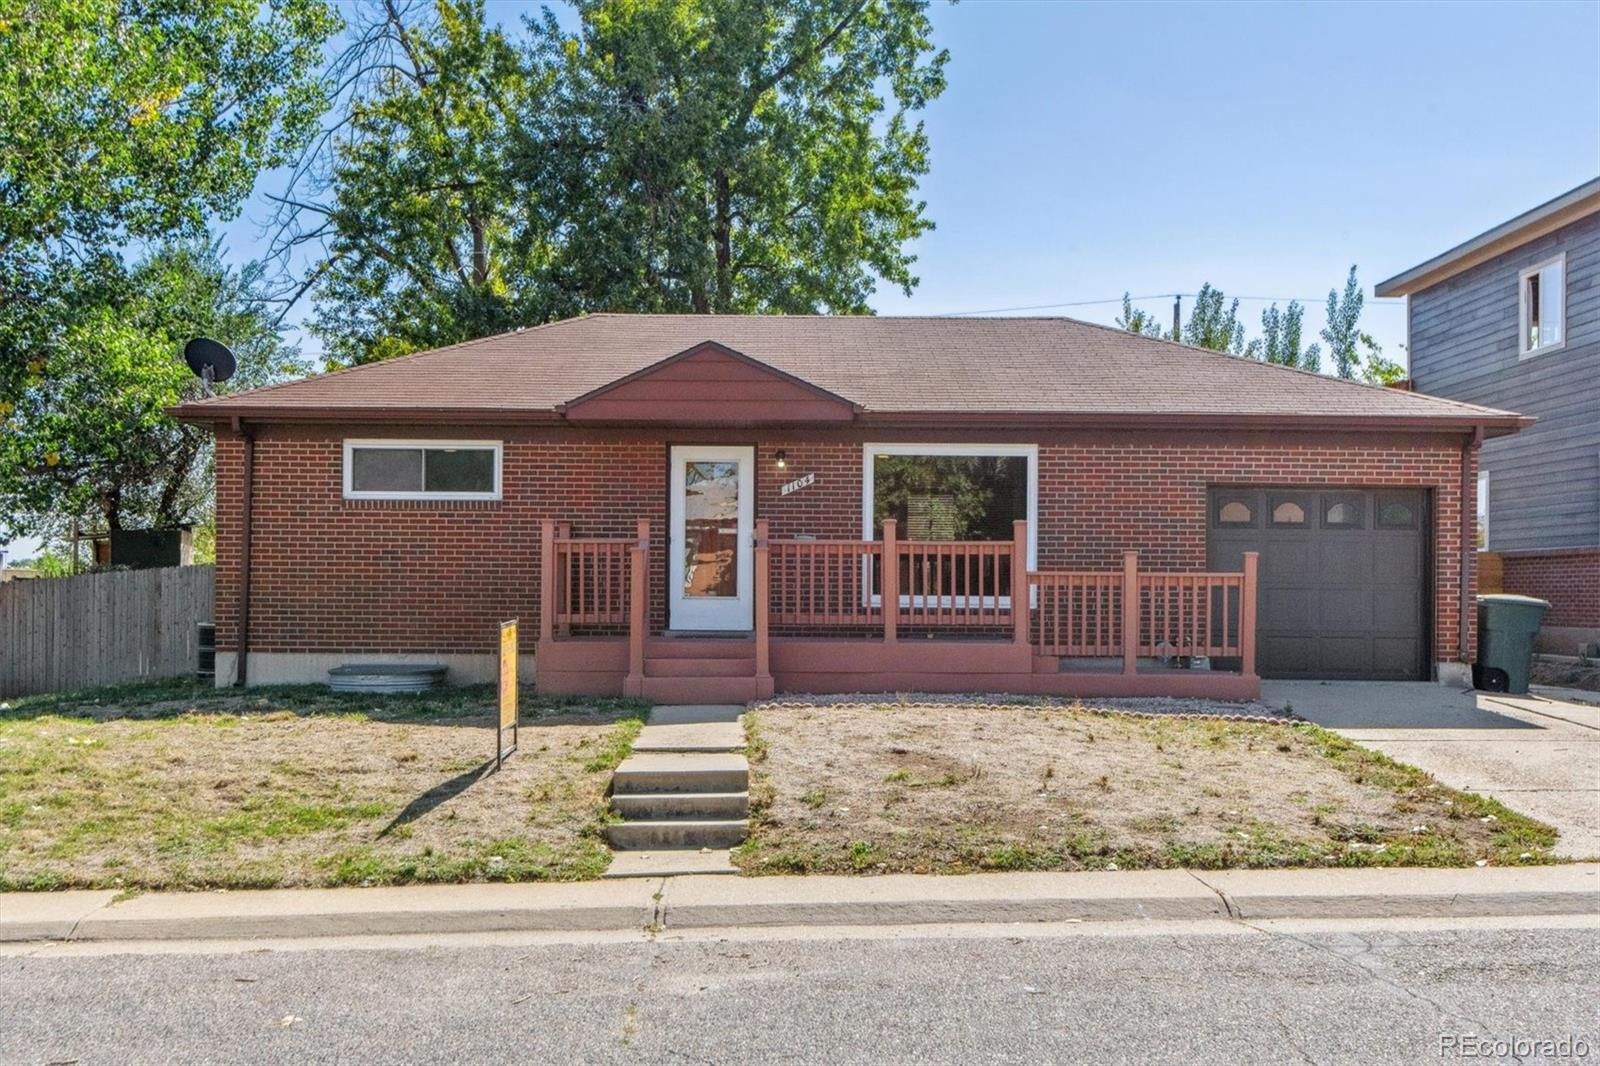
(690, 737)
(668, 772)
(656, 806)
(700, 648)
(679, 666)
(677, 833)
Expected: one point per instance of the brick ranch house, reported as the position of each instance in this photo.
(694, 508)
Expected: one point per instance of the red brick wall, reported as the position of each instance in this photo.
(1570, 580)
(1097, 499)
(337, 575)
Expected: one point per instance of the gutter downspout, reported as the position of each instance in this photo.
(1469, 510)
(243, 650)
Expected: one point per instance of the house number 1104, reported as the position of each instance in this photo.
(797, 484)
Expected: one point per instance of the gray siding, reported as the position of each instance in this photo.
(1544, 483)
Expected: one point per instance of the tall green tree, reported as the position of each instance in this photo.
(1280, 340)
(88, 437)
(137, 119)
(121, 121)
(666, 155)
(1211, 325)
(1343, 332)
(1137, 320)
(740, 156)
(430, 237)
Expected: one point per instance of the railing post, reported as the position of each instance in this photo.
(638, 608)
(889, 582)
(1021, 610)
(1130, 612)
(763, 607)
(563, 574)
(547, 579)
(1247, 616)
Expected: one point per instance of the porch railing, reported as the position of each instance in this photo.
(888, 584)
(595, 581)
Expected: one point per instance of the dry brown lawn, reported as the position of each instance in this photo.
(942, 787)
(142, 787)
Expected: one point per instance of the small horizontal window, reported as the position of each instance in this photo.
(1288, 512)
(1234, 512)
(422, 470)
(1342, 512)
(1397, 512)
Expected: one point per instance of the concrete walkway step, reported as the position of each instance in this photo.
(659, 805)
(671, 862)
(695, 713)
(677, 833)
(705, 689)
(708, 737)
(669, 772)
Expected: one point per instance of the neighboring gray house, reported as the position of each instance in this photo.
(1511, 319)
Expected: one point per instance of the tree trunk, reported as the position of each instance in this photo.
(480, 254)
(722, 234)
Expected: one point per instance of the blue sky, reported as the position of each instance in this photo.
(1084, 150)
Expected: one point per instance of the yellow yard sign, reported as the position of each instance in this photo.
(508, 693)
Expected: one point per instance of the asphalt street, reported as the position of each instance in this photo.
(1211, 992)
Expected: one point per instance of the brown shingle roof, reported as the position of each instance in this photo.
(889, 366)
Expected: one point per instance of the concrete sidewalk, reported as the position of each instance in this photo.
(657, 904)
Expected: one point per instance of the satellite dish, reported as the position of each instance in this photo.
(210, 360)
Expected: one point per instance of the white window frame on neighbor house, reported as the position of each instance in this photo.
(984, 451)
(350, 493)
(1482, 508)
(1538, 270)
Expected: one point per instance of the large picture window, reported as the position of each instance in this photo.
(421, 470)
(946, 492)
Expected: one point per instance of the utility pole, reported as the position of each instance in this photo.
(1177, 315)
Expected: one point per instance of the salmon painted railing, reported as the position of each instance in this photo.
(1077, 613)
(887, 584)
(825, 582)
(1152, 615)
(599, 581)
(1190, 614)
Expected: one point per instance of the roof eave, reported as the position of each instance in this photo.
(1493, 424)
(205, 414)
(1530, 225)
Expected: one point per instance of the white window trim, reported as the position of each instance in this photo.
(1523, 351)
(1480, 505)
(869, 455)
(395, 443)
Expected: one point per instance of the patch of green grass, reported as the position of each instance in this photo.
(511, 859)
(173, 698)
(814, 798)
(615, 745)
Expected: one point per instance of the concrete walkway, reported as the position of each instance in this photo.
(697, 902)
(683, 794)
(1537, 755)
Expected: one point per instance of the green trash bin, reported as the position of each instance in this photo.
(1506, 628)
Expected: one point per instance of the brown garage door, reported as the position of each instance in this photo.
(1342, 578)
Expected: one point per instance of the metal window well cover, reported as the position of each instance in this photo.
(387, 677)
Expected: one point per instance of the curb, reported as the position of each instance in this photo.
(705, 902)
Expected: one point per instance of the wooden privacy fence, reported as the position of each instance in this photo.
(71, 632)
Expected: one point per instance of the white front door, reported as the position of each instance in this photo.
(712, 524)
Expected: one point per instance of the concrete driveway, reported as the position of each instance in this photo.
(1536, 754)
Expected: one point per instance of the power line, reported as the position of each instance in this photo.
(1157, 296)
